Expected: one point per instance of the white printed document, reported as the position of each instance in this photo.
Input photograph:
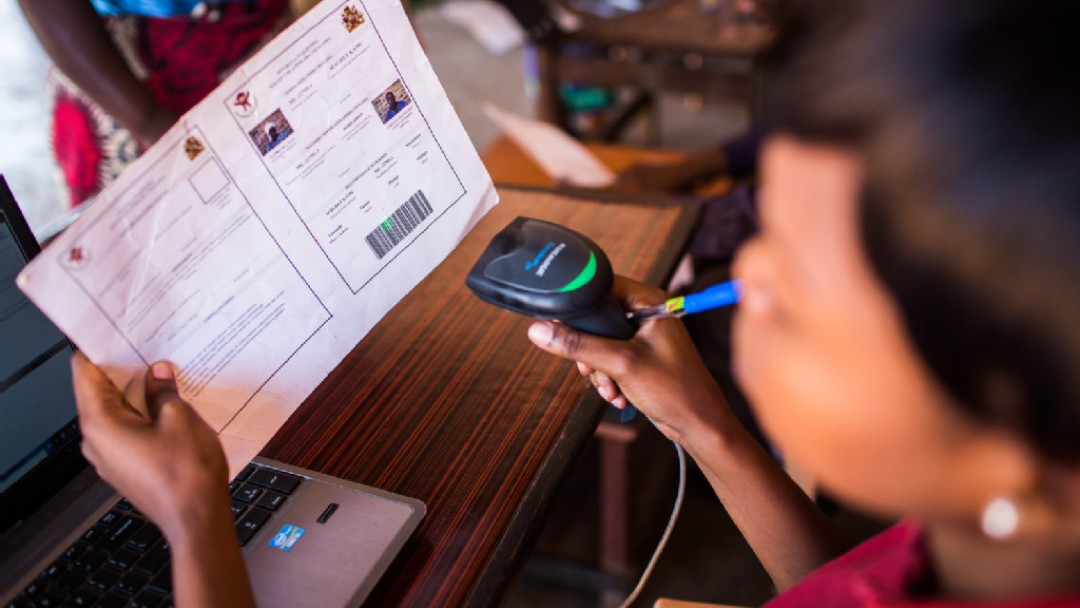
(265, 234)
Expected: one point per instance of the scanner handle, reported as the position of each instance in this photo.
(608, 321)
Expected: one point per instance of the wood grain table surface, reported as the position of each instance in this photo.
(445, 400)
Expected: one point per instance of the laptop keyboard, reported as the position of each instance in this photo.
(122, 560)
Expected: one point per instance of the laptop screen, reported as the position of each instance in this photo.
(37, 405)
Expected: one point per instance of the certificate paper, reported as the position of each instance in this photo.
(265, 234)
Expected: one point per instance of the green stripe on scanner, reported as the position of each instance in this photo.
(586, 275)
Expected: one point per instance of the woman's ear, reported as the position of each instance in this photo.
(1026, 496)
(999, 474)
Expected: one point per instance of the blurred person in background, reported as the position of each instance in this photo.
(125, 70)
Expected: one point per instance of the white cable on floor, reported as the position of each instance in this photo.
(630, 599)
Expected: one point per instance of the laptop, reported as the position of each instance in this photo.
(66, 538)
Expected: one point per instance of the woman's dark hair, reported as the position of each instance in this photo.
(967, 115)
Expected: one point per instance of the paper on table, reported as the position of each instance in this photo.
(264, 235)
(559, 155)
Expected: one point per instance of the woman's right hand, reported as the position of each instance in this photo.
(151, 125)
(656, 178)
(170, 464)
(658, 370)
(672, 177)
(166, 459)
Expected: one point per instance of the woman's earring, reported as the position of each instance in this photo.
(1000, 518)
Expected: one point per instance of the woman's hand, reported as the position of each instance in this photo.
(151, 125)
(673, 177)
(658, 370)
(167, 461)
(169, 464)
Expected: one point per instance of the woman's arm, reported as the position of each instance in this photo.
(787, 532)
(672, 177)
(170, 465)
(75, 37)
(660, 372)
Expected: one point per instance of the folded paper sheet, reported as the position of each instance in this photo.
(264, 235)
(559, 155)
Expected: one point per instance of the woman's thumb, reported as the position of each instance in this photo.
(160, 387)
(569, 343)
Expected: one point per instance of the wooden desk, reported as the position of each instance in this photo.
(675, 47)
(447, 401)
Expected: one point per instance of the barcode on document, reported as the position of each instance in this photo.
(398, 226)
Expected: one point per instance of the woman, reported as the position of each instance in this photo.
(909, 330)
(127, 69)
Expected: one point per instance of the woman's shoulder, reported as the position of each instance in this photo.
(889, 569)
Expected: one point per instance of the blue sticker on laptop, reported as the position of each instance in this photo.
(288, 536)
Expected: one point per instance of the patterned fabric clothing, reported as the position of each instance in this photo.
(180, 60)
(156, 8)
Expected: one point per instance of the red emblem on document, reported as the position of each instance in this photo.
(243, 104)
(76, 257)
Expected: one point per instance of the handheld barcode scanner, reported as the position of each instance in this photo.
(544, 270)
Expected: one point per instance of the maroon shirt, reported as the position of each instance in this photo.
(886, 571)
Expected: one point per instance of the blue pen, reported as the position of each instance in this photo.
(717, 296)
